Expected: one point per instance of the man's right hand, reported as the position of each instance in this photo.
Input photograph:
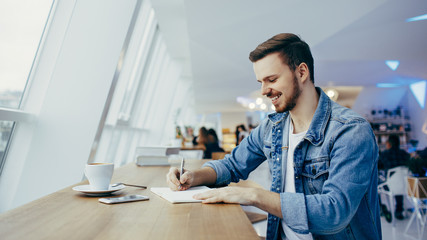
(179, 183)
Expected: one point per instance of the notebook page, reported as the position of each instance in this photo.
(179, 196)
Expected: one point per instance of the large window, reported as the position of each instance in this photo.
(71, 73)
(120, 133)
(22, 24)
(148, 98)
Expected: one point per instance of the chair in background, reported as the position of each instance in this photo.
(218, 155)
(395, 184)
(417, 192)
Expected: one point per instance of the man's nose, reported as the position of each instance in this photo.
(265, 90)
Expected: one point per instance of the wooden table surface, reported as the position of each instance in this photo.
(68, 214)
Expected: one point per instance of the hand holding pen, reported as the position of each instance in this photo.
(179, 179)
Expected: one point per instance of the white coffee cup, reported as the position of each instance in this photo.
(99, 175)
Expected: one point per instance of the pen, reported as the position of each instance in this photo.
(182, 169)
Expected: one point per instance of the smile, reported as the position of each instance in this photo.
(274, 99)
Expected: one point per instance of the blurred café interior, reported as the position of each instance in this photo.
(91, 81)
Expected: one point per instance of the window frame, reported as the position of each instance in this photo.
(22, 114)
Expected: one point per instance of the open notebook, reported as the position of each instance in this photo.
(179, 196)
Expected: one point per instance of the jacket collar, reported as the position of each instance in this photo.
(277, 117)
(316, 131)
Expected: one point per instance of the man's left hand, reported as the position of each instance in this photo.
(240, 195)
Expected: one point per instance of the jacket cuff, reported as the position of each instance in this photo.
(294, 211)
(223, 175)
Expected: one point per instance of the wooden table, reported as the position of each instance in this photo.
(192, 148)
(68, 214)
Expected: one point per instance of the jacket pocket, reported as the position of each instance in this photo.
(315, 173)
(267, 150)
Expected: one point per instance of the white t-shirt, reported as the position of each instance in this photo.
(294, 140)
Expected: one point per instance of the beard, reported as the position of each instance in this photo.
(291, 100)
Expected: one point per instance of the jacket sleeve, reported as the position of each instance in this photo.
(247, 156)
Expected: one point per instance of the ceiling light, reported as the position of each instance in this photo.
(419, 91)
(388, 85)
(392, 64)
(332, 94)
(254, 103)
(417, 18)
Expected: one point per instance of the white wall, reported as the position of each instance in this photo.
(418, 117)
(85, 41)
(232, 119)
(378, 98)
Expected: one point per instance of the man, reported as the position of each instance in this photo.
(393, 157)
(322, 157)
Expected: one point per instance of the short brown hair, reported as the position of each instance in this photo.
(291, 49)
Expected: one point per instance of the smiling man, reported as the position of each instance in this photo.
(322, 156)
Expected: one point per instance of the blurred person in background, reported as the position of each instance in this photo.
(202, 139)
(251, 127)
(392, 157)
(241, 133)
(212, 144)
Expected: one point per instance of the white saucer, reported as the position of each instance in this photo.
(88, 191)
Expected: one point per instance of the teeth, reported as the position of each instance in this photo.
(276, 97)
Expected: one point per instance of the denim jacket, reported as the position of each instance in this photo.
(335, 173)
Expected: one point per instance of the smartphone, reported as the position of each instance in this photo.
(128, 198)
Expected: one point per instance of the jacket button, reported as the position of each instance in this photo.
(296, 177)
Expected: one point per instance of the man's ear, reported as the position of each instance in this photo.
(302, 72)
